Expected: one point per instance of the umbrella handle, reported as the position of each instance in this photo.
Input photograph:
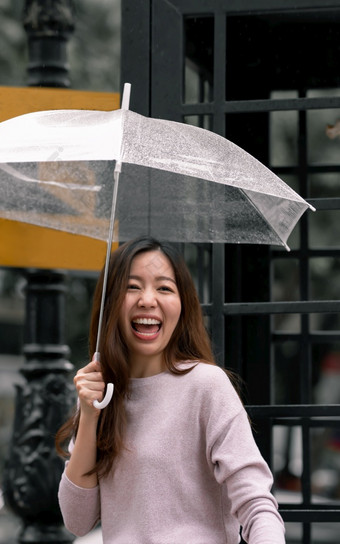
(109, 389)
(106, 399)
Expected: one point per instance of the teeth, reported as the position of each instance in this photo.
(146, 321)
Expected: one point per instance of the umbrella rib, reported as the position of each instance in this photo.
(73, 186)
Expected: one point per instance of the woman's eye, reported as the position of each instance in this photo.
(165, 288)
(132, 286)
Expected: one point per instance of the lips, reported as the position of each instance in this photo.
(146, 327)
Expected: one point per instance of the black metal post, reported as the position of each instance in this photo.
(48, 25)
(33, 469)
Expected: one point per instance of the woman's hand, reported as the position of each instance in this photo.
(90, 386)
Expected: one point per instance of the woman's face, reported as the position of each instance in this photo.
(150, 311)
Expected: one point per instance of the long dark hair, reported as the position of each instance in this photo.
(189, 342)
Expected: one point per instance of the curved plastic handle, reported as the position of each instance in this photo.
(106, 399)
(109, 389)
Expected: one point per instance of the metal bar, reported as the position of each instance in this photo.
(136, 44)
(263, 308)
(306, 463)
(319, 252)
(314, 338)
(311, 168)
(254, 7)
(325, 203)
(217, 320)
(219, 91)
(294, 410)
(312, 424)
(264, 105)
(314, 515)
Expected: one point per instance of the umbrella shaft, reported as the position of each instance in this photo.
(108, 251)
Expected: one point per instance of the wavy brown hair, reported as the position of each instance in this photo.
(189, 342)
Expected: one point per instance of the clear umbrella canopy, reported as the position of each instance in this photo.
(178, 182)
(60, 169)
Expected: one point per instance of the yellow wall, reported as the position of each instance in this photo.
(24, 245)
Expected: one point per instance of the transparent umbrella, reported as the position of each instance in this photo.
(61, 169)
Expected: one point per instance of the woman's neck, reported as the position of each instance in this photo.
(146, 367)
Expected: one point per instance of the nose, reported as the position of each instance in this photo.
(147, 299)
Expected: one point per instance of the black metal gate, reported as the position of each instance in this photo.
(265, 74)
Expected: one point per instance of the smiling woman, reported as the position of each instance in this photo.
(172, 459)
(150, 312)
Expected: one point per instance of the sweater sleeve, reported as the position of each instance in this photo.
(80, 507)
(239, 466)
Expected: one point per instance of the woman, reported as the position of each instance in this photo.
(171, 460)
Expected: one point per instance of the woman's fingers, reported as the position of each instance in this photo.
(89, 383)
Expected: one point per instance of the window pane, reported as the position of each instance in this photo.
(324, 278)
(324, 228)
(286, 359)
(326, 373)
(287, 445)
(324, 322)
(284, 132)
(285, 280)
(199, 262)
(325, 185)
(294, 530)
(202, 121)
(325, 477)
(325, 533)
(199, 59)
(286, 323)
(278, 51)
(323, 137)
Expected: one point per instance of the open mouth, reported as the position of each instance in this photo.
(146, 326)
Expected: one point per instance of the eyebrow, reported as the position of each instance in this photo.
(158, 278)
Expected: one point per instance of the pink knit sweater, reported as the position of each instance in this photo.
(191, 472)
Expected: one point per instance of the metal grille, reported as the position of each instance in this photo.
(264, 74)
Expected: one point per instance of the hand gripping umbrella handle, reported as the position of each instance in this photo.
(108, 394)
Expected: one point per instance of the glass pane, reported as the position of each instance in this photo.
(324, 278)
(324, 228)
(201, 121)
(198, 259)
(199, 59)
(287, 446)
(325, 533)
(250, 132)
(323, 93)
(277, 51)
(286, 360)
(294, 531)
(323, 136)
(325, 476)
(285, 283)
(324, 185)
(284, 130)
(286, 323)
(326, 373)
(324, 322)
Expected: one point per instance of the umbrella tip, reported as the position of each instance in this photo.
(126, 96)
